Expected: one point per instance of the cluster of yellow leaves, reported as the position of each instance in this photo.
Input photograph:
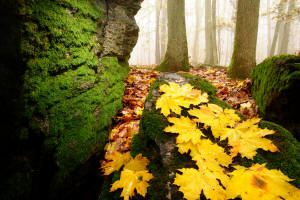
(243, 137)
(175, 96)
(134, 176)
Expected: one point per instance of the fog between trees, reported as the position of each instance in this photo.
(273, 18)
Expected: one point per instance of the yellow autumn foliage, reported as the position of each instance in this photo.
(134, 176)
(247, 137)
(258, 182)
(175, 96)
(115, 162)
(214, 116)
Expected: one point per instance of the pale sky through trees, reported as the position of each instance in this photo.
(144, 51)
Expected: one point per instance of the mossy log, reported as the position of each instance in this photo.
(276, 84)
(151, 138)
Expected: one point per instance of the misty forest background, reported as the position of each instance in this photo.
(273, 14)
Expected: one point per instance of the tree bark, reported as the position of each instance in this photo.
(269, 26)
(208, 31)
(213, 35)
(157, 40)
(163, 29)
(277, 28)
(244, 53)
(176, 58)
(197, 31)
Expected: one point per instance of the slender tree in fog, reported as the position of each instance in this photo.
(176, 57)
(244, 54)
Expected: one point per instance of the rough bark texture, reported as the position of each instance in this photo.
(244, 54)
(59, 94)
(176, 57)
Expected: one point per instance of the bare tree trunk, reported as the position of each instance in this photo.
(176, 58)
(163, 29)
(213, 35)
(157, 45)
(283, 45)
(244, 52)
(208, 32)
(277, 28)
(197, 31)
(269, 26)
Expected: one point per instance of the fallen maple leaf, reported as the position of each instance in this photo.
(186, 128)
(209, 156)
(247, 137)
(115, 162)
(258, 182)
(175, 96)
(214, 116)
(134, 176)
(191, 183)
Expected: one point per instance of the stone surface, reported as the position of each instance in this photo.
(120, 31)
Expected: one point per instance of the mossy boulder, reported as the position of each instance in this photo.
(276, 84)
(62, 99)
(159, 147)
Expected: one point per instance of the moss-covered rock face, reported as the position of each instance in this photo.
(276, 84)
(71, 88)
(159, 147)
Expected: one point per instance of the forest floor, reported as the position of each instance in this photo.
(126, 124)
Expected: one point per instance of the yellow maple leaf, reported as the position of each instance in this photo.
(214, 116)
(115, 161)
(209, 156)
(258, 182)
(134, 176)
(186, 128)
(139, 163)
(131, 180)
(247, 137)
(175, 96)
(191, 182)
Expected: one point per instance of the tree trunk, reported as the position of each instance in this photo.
(244, 53)
(176, 58)
(277, 28)
(269, 26)
(213, 35)
(157, 45)
(208, 32)
(197, 31)
(163, 30)
(283, 45)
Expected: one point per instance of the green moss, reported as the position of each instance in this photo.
(287, 159)
(275, 85)
(267, 79)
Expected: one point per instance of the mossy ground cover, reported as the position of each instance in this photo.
(151, 131)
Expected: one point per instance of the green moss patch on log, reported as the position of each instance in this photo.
(275, 89)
